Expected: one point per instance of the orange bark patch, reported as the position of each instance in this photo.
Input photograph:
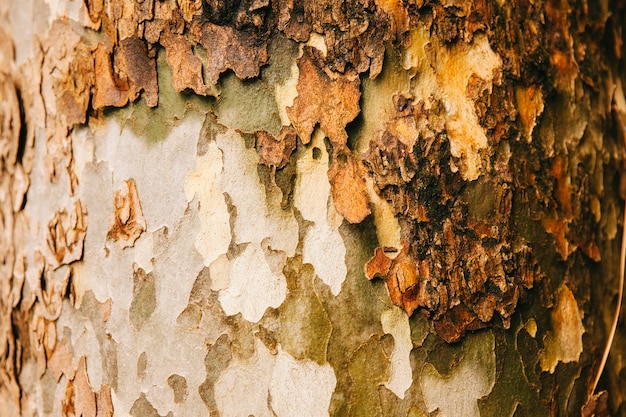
(456, 322)
(273, 151)
(186, 67)
(108, 90)
(66, 235)
(348, 187)
(378, 266)
(400, 275)
(127, 221)
(325, 97)
(74, 90)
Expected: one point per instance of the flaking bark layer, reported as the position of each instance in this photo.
(482, 188)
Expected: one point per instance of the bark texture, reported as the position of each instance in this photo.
(347, 208)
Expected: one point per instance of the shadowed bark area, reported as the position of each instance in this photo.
(358, 207)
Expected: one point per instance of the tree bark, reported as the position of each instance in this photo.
(287, 208)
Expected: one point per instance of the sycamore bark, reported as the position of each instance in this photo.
(294, 208)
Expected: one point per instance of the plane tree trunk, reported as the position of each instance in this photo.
(346, 208)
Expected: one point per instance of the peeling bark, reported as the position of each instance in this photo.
(367, 207)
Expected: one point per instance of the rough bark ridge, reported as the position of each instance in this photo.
(471, 153)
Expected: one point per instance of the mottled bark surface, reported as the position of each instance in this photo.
(361, 208)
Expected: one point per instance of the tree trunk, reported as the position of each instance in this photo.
(287, 208)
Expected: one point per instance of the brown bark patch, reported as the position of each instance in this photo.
(127, 222)
(186, 67)
(355, 31)
(276, 151)
(66, 235)
(74, 89)
(347, 186)
(462, 261)
(137, 64)
(109, 90)
(456, 322)
(178, 384)
(81, 400)
(325, 97)
(228, 48)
